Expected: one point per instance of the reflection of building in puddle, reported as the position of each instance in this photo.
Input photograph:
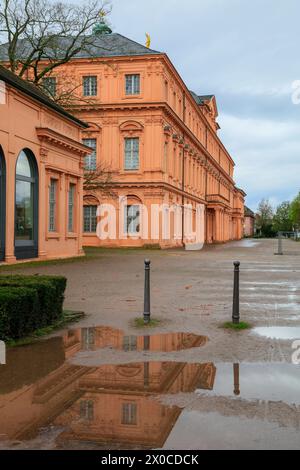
(117, 404)
(108, 404)
(89, 339)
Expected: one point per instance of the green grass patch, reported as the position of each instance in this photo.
(139, 323)
(69, 316)
(236, 326)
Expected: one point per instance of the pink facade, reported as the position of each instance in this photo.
(41, 167)
(160, 143)
(249, 222)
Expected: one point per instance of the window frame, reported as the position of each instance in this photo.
(48, 89)
(90, 216)
(133, 84)
(53, 229)
(127, 207)
(90, 87)
(71, 228)
(132, 139)
(92, 156)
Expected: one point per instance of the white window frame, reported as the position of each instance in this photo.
(131, 153)
(90, 161)
(92, 218)
(71, 207)
(132, 227)
(132, 84)
(90, 85)
(52, 205)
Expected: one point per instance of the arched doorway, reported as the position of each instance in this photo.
(2, 204)
(26, 206)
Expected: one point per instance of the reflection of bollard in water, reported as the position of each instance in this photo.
(236, 293)
(279, 252)
(236, 379)
(147, 292)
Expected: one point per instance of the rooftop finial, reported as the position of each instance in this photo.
(102, 27)
(148, 40)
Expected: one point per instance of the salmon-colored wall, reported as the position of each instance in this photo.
(55, 142)
(168, 136)
(249, 226)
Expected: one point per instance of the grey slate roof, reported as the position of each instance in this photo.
(104, 45)
(249, 212)
(200, 98)
(36, 93)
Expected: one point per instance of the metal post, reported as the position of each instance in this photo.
(236, 293)
(279, 252)
(147, 292)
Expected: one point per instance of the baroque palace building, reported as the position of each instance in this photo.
(159, 143)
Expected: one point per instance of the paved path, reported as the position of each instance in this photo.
(192, 291)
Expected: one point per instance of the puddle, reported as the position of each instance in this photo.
(278, 332)
(91, 339)
(270, 382)
(48, 402)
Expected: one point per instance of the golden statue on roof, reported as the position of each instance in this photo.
(148, 40)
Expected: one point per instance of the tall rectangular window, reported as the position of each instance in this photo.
(90, 219)
(90, 162)
(132, 84)
(129, 413)
(71, 207)
(49, 86)
(87, 410)
(52, 205)
(132, 219)
(132, 150)
(90, 86)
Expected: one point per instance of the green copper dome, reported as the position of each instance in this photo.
(102, 28)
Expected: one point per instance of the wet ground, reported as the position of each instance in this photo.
(186, 384)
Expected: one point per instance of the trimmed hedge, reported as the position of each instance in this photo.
(39, 303)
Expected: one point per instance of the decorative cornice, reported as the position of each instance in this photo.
(59, 140)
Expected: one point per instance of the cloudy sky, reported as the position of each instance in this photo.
(248, 55)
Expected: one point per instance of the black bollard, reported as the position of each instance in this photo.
(236, 293)
(147, 292)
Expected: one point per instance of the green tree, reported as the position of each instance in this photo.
(295, 211)
(282, 221)
(264, 218)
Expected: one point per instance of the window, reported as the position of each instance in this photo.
(52, 205)
(87, 338)
(129, 343)
(49, 85)
(71, 199)
(90, 162)
(132, 150)
(89, 219)
(132, 84)
(26, 206)
(87, 410)
(132, 219)
(129, 413)
(90, 86)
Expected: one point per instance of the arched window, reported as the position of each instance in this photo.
(2, 205)
(26, 211)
